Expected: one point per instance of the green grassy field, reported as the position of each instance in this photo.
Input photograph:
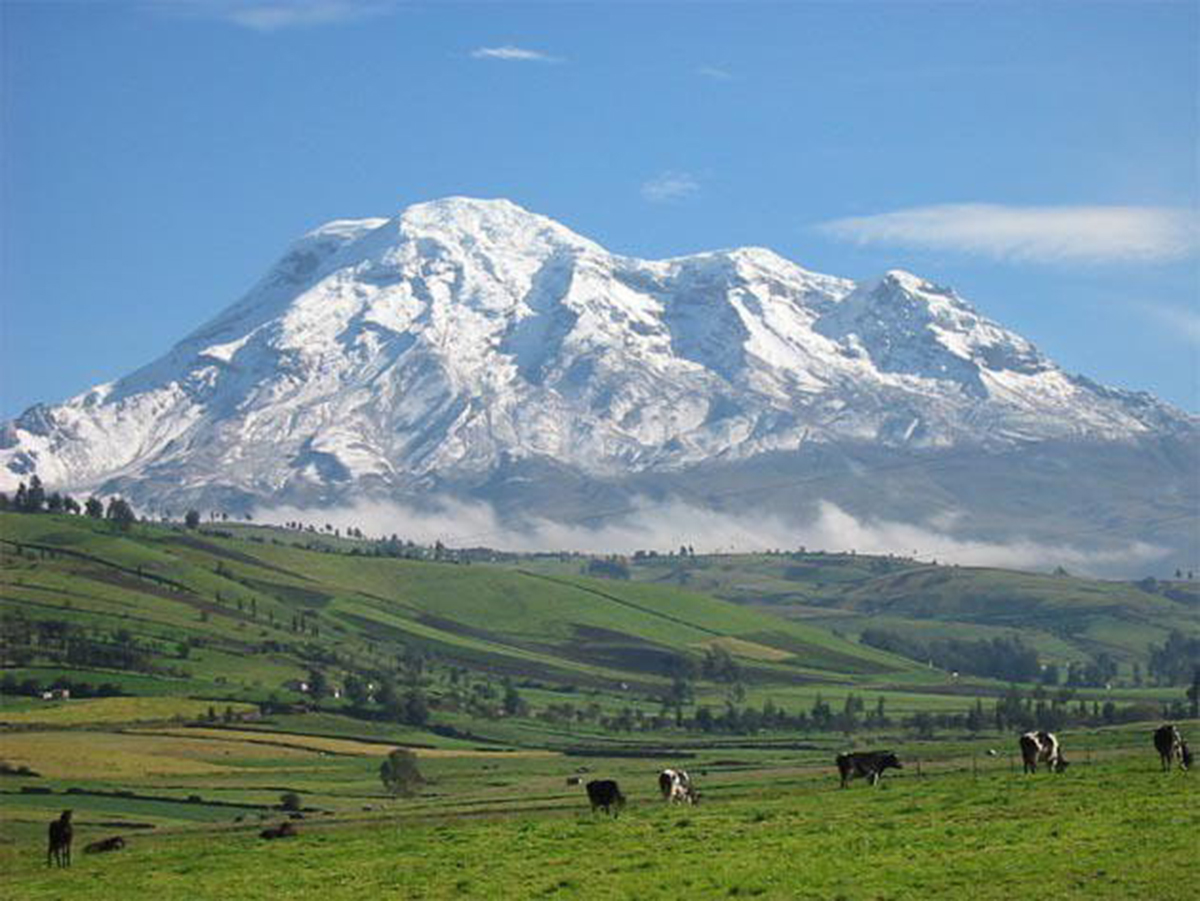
(1065, 617)
(206, 732)
(773, 826)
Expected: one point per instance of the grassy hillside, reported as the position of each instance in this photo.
(185, 729)
(243, 616)
(1064, 617)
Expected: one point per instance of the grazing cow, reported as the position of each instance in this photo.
(574, 780)
(869, 764)
(116, 843)
(283, 830)
(605, 793)
(1041, 747)
(61, 834)
(1169, 745)
(676, 787)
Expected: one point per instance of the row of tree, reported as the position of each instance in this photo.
(32, 498)
(1009, 659)
(24, 641)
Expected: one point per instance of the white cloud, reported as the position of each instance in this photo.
(659, 526)
(510, 53)
(1185, 323)
(1035, 234)
(716, 73)
(276, 15)
(670, 186)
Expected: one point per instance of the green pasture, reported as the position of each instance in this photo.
(771, 824)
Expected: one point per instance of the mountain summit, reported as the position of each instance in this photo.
(464, 339)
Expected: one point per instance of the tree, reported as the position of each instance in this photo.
(399, 773)
(357, 689)
(35, 499)
(192, 519)
(318, 685)
(416, 708)
(120, 513)
(93, 508)
(514, 704)
(290, 801)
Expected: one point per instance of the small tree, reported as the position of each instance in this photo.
(192, 519)
(399, 773)
(120, 513)
(35, 499)
(94, 508)
(290, 801)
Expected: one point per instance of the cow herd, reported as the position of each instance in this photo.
(1037, 747)
(676, 786)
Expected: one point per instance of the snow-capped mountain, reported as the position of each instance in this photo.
(466, 337)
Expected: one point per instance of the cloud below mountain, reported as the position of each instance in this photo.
(664, 527)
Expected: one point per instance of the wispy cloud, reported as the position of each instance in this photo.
(1183, 322)
(1042, 234)
(670, 186)
(509, 53)
(716, 73)
(276, 15)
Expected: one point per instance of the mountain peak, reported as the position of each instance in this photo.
(494, 221)
(462, 333)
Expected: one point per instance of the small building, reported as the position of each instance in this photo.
(297, 685)
(57, 694)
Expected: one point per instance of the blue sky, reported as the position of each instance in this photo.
(1041, 158)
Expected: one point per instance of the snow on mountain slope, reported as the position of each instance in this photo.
(379, 354)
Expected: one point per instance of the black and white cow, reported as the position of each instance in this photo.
(606, 794)
(676, 787)
(1041, 747)
(868, 764)
(1169, 745)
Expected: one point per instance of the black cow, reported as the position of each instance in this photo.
(283, 830)
(116, 843)
(869, 764)
(1041, 747)
(1169, 744)
(61, 834)
(606, 794)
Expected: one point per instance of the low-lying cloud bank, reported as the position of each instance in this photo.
(664, 527)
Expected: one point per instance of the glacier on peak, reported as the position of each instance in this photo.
(462, 337)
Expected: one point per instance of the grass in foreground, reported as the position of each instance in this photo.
(1115, 829)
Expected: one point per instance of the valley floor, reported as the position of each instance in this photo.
(1112, 826)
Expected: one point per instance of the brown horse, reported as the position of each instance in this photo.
(61, 834)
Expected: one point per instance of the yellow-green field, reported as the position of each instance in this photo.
(88, 711)
(1114, 828)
